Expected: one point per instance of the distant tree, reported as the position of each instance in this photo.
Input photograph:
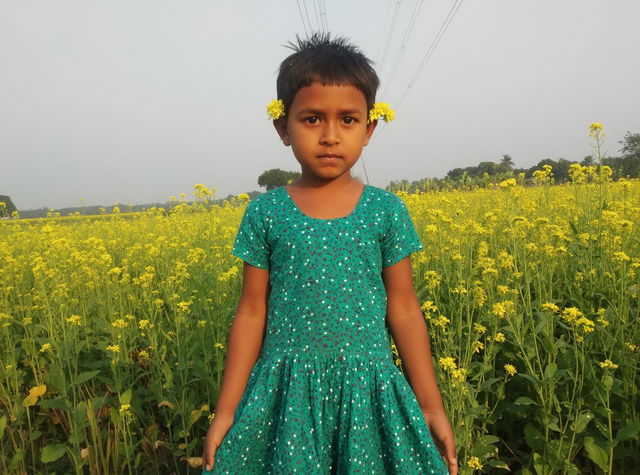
(8, 207)
(587, 161)
(455, 173)
(630, 144)
(491, 168)
(630, 162)
(506, 163)
(276, 177)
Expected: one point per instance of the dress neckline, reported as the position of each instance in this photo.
(297, 208)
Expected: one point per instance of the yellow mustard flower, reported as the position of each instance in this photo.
(74, 320)
(381, 110)
(113, 348)
(480, 328)
(474, 463)
(448, 363)
(119, 323)
(275, 109)
(608, 364)
(551, 307)
(477, 346)
(45, 347)
(595, 127)
(510, 369)
(458, 375)
(500, 338)
(501, 309)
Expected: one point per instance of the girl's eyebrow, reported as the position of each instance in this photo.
(311, 110)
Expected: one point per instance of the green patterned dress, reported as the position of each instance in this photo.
(325, 395)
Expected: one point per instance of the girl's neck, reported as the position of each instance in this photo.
(326, 186)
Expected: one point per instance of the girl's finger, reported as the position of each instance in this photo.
(451, 459)
(209, 459)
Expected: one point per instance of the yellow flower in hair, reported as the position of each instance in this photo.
(381, 110)
(275, 109)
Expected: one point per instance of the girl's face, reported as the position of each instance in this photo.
(327, 128)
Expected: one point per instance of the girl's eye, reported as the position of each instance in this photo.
(311, 120)
(349, 120)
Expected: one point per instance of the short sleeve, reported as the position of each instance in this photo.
(251, 244)
(401, 238)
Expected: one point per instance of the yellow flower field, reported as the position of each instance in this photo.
(113, 329)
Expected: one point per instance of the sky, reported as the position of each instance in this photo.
(133, 101)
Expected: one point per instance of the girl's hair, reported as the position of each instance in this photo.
(329, 61)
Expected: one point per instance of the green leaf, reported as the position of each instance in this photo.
(52, 452)
(581, 422)
(54, 403)
(626, 432)
(488, 383)
(547, 344)
(533, 437)
(540, 466)
(498, 464)
(550, 371)
(125, 397)
(86, 376)
(489, 439)
(528, 377)
(525, 401)
(482, 450)
(596, 453)
(3, 424)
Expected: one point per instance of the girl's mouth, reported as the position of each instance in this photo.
(329, 157)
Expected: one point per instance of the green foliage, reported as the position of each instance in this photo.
(276, 177)
(8, 207)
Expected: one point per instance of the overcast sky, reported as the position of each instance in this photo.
(134, 101)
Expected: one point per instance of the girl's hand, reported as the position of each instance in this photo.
(217, 430)
(443, 437)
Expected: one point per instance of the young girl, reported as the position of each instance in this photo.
(310, 385)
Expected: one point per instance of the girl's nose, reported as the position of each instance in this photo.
(330, 134)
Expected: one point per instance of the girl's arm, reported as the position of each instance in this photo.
(245, 339)
(410, 334)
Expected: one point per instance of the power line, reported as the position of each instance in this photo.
(405, 40)
(302, 19)
(324, 14)
(304, 4)
(434, 44)
(315, 9)
(392, 27)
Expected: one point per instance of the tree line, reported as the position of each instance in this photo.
(627, 165)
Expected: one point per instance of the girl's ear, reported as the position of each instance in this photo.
(281, 128)
(371, 126)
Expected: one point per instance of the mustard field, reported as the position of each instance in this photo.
(113, 328)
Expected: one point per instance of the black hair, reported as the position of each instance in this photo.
(329, 61)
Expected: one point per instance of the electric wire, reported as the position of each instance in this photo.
(324, 15)
(405, 39)
(394, 19)
(306, 11)
(302, 19)
(318, 21)
(434, 44)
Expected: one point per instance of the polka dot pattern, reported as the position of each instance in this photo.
(324, 395)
